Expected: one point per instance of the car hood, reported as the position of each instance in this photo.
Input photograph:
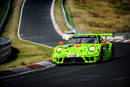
(80, 49)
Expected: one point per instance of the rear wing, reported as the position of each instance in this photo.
(103, 35)
(106, 34)
(95, 34)
(66, 36)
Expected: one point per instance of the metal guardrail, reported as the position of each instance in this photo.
(5, 17)
(67, 21)
(5, 44)
(5, 49)
(119, 36)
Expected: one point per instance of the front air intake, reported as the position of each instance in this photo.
(74, 60)
(87, 58)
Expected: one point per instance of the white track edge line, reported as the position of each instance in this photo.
(56, 27)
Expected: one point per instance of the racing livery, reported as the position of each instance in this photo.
(83, 48)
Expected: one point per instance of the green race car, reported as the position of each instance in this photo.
(83, 48)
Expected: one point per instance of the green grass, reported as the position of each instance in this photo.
(3, 9)
(23, 63)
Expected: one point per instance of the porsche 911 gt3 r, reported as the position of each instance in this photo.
(83, 48)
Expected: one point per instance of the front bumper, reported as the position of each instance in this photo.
(67, 60)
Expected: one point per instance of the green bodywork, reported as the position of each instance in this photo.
(81, 53)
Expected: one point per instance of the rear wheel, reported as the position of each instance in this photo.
(112, 52)
(101, 56)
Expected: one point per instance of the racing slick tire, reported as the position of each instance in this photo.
(112, 52)
(101, 56)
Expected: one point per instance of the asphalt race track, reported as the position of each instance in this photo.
(114, 73)
(36, 24)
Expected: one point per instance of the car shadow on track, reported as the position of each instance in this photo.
(77, 64)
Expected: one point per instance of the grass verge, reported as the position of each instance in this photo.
(100, 16)
(23, 53)
(68, 13)
(59, 17)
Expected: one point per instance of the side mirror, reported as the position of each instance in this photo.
(103, 41)
(61, 43)
(113, 35)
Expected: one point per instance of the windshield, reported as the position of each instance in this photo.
(77, 40)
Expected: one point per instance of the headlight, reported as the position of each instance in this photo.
(59, 49)
(92, 48)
